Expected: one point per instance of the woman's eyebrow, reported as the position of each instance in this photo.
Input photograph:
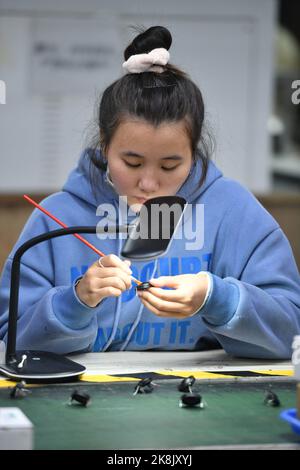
(129, 153)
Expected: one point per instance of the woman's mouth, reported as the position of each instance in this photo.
(141, 200)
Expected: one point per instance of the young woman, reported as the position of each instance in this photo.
(237, 287)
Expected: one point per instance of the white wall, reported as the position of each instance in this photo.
(225, 46)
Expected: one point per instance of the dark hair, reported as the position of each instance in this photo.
(157, 98)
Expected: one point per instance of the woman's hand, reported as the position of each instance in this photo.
(186, 297)
(110, 279)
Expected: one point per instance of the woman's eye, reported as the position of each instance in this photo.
(132, 166)
(169, 169)
(137, 165)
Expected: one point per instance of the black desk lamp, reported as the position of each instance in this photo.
(43, 366)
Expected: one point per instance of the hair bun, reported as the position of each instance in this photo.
(153, 38)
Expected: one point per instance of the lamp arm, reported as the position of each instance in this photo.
(15, 276)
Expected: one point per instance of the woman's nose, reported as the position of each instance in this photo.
(148, 183)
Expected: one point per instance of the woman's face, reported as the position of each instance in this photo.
(146, 161)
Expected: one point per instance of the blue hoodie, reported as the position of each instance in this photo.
(253, 309)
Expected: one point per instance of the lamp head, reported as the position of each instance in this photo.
(151, 235)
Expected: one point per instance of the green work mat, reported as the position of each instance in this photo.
(235, 414)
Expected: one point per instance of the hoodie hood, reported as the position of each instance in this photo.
(79, 182)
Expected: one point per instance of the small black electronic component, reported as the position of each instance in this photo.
(144, 386)
(19, 390)
(271, 399)
(191, 400)
(186, 384)
(80, 398)
(144, 286)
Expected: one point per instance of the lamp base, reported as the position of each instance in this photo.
(41, 366)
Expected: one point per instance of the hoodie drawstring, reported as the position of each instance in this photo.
(117, 319)
(119, 302)
(119, 305)
(138, 317)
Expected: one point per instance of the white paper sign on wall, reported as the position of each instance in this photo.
(73, 55)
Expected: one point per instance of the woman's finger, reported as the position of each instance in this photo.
(162, 305)
(161, 313)
(113, 261)
(174, 295)
(109, 291)
(165, 281)
(117, 282)
(114, 272)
